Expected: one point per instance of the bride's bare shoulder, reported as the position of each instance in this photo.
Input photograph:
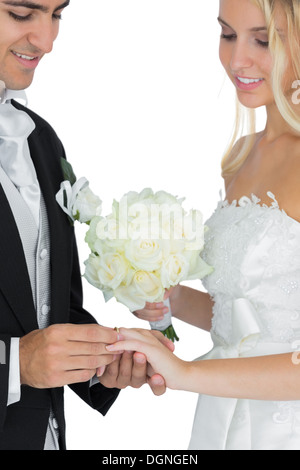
(240, 146)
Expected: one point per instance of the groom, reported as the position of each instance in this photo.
(47, 339)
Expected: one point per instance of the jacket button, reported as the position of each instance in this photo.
(45, 309)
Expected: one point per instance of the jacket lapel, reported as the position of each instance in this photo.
(14, 277)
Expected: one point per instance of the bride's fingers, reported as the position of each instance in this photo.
(165, 341)
(140, 340)
(155, 305)
(133, 340)
(152, 312)
(139, 334)
(149, 315)
(129, 345)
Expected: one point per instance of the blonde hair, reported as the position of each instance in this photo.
(239, 150)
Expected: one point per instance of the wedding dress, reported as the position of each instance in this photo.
(255, 252)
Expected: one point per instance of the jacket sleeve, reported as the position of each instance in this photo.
(98, 397)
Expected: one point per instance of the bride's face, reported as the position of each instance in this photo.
(244, 51)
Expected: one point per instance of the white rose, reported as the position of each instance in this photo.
(174, 270)
(111, 228)
(100, 245)
(128, 205)
(86, 206)
(91, 235)
(144, 287)
(175, 223)
(144, 254)
(144, 196)
(91, 270)
(112, 270)
(134, 214)
(105, 235)
(78, 201)
(92, 266)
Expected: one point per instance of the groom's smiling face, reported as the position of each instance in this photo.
(28, 31)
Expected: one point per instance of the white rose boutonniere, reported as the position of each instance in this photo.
(76, 198)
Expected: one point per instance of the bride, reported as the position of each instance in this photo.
(249, 384)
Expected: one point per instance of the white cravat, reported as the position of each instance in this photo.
(15, 128)
(6, 94)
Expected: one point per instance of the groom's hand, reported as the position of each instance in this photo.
(132, 370)
(64, 354)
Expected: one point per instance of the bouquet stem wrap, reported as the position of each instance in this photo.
(165, 325)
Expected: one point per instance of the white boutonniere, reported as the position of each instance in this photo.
(76, 198)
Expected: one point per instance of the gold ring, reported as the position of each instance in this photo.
(117, 329)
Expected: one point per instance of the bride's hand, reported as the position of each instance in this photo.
(153, 312)
(160, 357)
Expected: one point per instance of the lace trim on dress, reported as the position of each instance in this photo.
(244, 200)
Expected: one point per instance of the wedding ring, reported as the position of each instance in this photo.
(117, 329)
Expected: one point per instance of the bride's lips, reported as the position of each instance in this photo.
(248, 84)
(26, 60)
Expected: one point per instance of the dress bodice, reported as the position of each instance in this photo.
(255, 252)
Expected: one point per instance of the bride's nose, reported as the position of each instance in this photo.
(241, 57)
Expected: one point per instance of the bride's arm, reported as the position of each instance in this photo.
(190, 305)
(274, 378)
(258, 378)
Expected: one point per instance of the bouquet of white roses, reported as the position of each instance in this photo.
(147, 244)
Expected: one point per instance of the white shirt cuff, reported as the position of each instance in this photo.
(14, 381)
(94, 381)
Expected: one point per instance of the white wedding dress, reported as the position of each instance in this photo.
(255, 252)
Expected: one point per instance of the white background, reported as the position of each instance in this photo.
(135, 91)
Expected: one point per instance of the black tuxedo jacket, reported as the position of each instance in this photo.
(23, 425)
